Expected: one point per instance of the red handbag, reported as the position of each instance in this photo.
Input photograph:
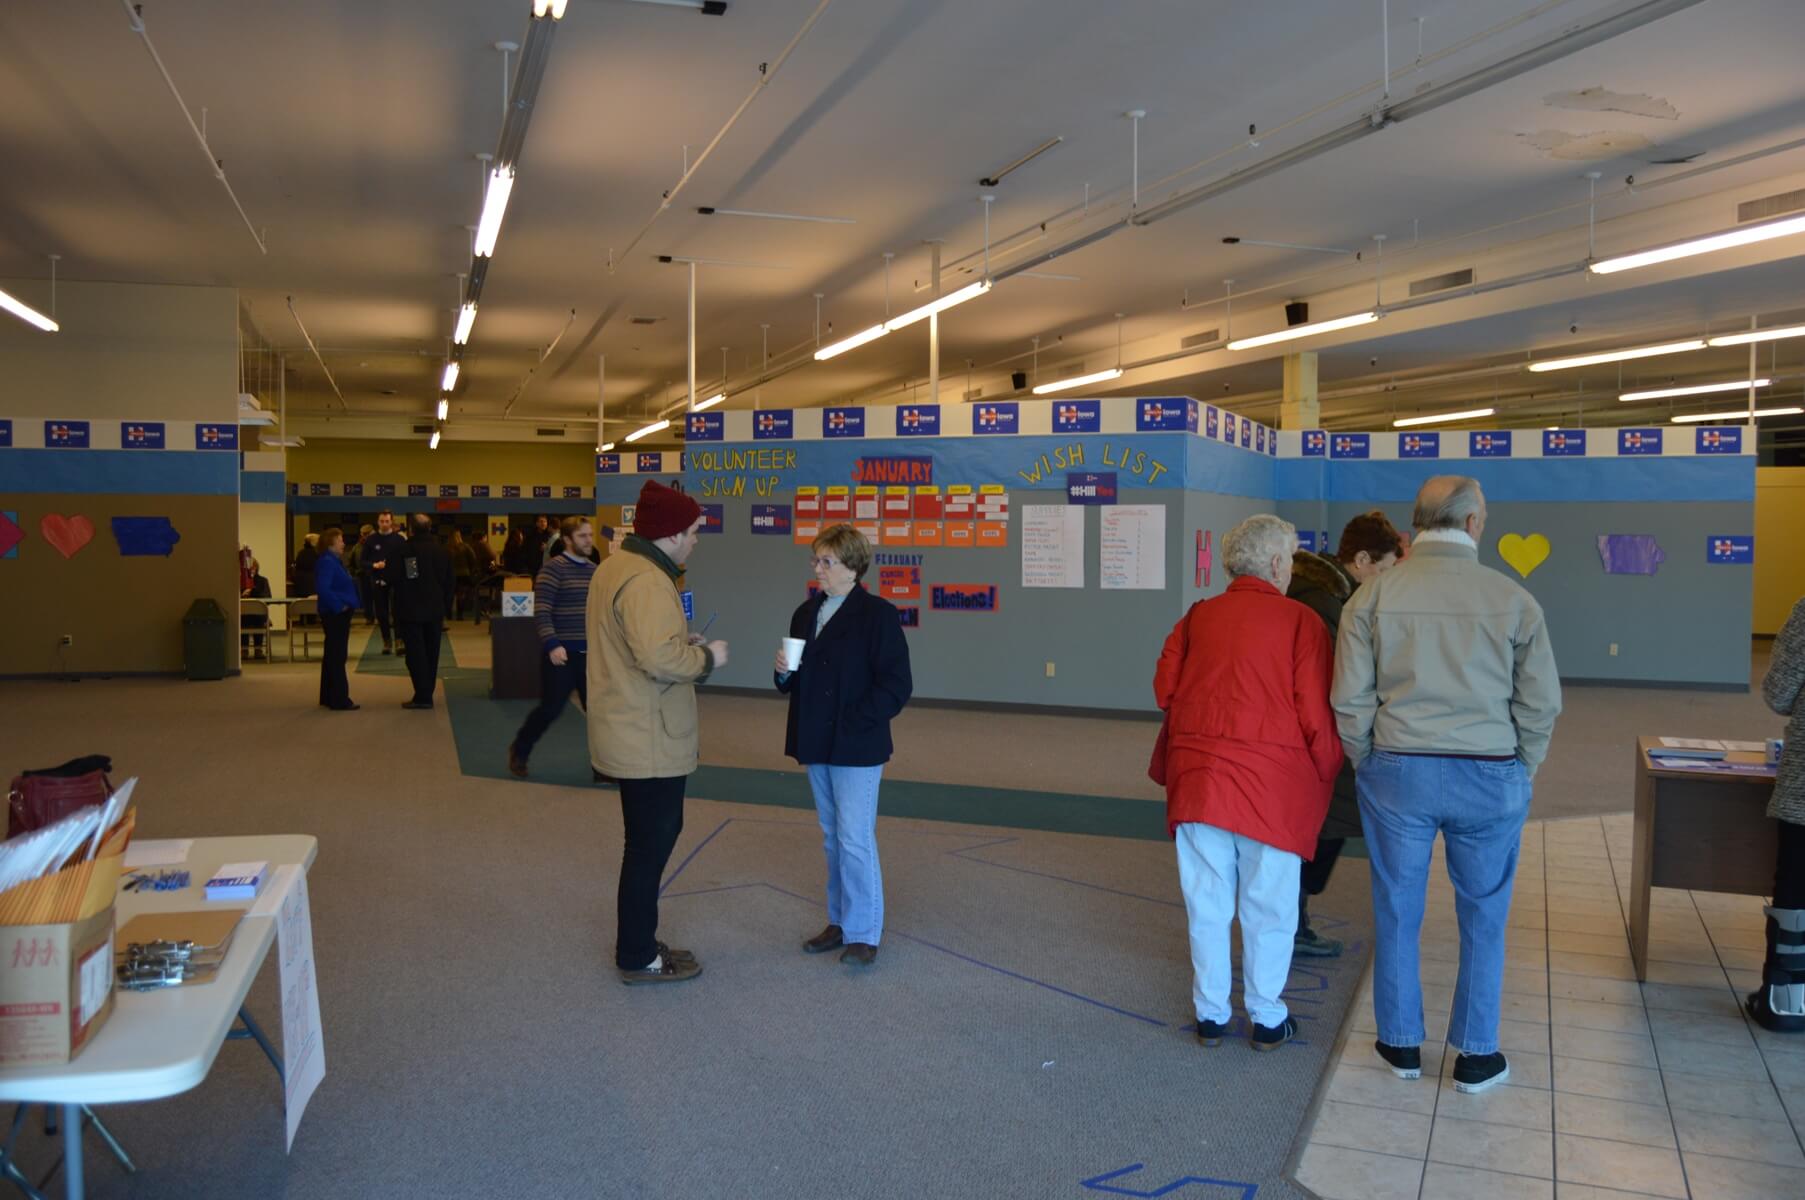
(40, 798)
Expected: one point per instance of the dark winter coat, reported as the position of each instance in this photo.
(1323, 584)
(853, 680)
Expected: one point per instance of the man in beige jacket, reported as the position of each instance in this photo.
(643, 668)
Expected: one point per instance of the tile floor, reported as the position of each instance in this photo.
(1618, 1090)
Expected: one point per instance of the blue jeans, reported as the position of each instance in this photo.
(1478, 807)
(846, 803)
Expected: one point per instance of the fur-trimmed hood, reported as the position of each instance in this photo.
(1321, 571)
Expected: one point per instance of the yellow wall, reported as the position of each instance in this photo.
(1779, 536)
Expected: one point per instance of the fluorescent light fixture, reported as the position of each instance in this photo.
(444, 408)
(648, 431)
(27, 313)
(466, 319)
(1741, 414)
(845, 344)
(1729, 239)
(551, 8)
(604, 448)
(1469, 415)
(1078, 381)
(1759, 335)
(1610, 356)
(710, 402)
(1310, 330)
(450, 379)
(1703, 389)
(495, 203)
(970, 291)
(434, 443)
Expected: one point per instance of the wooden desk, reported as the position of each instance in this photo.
(1699, 830)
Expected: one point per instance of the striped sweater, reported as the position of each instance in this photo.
(560, 595)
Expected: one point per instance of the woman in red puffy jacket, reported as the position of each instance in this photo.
(1248, 756)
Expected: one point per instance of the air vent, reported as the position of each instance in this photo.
(973, 394)
(644, 320)
(1200, 339)
(423, 429)
(1770, 206)
(1441, 283)
(550, 432)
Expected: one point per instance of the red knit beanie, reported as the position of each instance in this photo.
(663, 511)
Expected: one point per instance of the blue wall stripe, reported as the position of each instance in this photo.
(1712, 477)
(263, 487)
(120, 472)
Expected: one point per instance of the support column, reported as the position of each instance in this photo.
(1299, 409)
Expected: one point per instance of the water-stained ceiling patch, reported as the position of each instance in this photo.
(1584, 147)
(1598, 99)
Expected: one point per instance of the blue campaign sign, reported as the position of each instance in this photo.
(771, 519)
(607, 464)
(649, 462)
(1419, 445)
(542, 491)
(1212, 421)
(773, 424)
(1724, 439)
(689, 604)
(1090, 487)
(1259, 438)
(1306, 540)
(216, 437)
(1315, 443)
(918, 420)
(1228, 428)
(357, 489)
(478, 491)
(1723, 548)
(6, 433)
(1638, 441)
(714, 518)
(447, 491)
(1166, 413)
(510, 491)
(842, 422)
(1077, 416)
(1564, 443)
(1246, 433)
(705, 427)
(1488, 445)
(572, 492)
(416, 489)
(996, 418)
(141, 435)
(385, 489)
(68, 435)
(319, 489)
(1351, 445)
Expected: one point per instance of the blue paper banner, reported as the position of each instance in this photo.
(145, 536)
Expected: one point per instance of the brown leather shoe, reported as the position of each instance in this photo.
(828, 939)
(669, 970)
(516, 764)
(859, 954)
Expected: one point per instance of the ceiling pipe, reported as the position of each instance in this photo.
(316, 357)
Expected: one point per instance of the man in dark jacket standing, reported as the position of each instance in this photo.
(423, 596)
(380, 562)
(1370, 545)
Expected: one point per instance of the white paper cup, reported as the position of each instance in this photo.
(792, 653)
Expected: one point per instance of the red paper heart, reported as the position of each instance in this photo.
(67, 534)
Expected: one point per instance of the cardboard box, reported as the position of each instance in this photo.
(56, 988)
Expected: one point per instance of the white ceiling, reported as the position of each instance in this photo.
(348, 130)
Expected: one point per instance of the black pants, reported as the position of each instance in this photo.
(1314, 877)
(555, 684)
(422, 638)
(383, 597)
(651, 813)
(335, 690)
(364, 588)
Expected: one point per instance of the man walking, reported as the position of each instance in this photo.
(560, 601)
(643, 667)
(380, 560)
(1445, 698)
(423, 594)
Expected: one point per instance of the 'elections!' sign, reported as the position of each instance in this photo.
(964, 597)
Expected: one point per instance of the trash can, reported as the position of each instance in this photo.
(204, 640)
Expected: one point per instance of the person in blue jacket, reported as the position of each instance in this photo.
(338, 603)
(853, 679)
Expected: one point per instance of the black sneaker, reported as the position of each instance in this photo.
(1271, 1037)
(1477, 1072)
(1211, 1033)
(1406, 1062)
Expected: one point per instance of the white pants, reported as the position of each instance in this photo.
(1215, 868)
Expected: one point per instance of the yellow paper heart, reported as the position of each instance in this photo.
(1524, 554)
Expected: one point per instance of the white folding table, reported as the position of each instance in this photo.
(163, 1042)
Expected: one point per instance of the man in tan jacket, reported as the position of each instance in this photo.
(643, 668)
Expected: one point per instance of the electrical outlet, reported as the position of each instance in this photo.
(68, 639)
(1049, 670)
(1613, 649)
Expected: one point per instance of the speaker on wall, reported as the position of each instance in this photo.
(1018, 380)
(1297, 312)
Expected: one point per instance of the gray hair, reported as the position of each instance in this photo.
(1446, 501)
(1250, 547)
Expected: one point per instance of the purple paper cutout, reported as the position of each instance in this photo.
(1630, 553)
